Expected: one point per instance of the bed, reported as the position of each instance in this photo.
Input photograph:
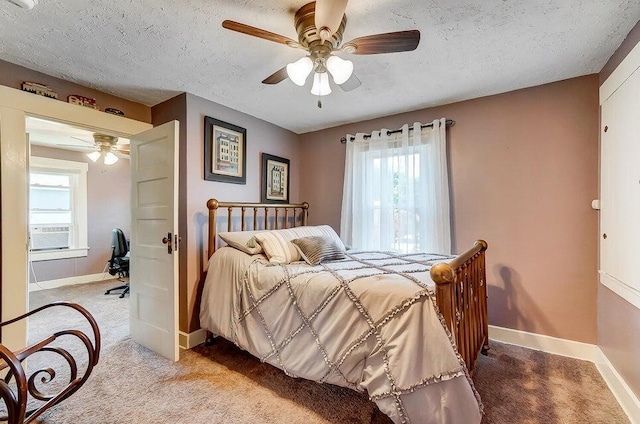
(406, 328)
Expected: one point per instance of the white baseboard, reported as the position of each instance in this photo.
(190, 340)
(628, 401)
(620, 389)
(562, 347)
(80, 279)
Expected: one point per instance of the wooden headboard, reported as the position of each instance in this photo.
(262, 216)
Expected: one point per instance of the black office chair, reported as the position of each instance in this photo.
(119, 262)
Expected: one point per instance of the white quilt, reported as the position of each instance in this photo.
(368, 323)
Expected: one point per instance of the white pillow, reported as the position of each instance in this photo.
(277, 249)
(309, 231)
(244, 241)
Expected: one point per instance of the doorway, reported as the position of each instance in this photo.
(79, 197)
(15, 106)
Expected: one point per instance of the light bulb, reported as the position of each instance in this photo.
(110, 158)
(340, 69)
(321, 85)
(299, 70)
(94, 156)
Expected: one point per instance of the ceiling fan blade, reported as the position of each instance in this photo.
(121, 153)
(84, 141)
(260, 33)
(390, 42)
(278, 76)
(351, 84)
(75, 146)
(329, 14)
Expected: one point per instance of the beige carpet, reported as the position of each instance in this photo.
(222, 384)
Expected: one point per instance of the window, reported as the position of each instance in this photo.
(396, 190)
(57, 209)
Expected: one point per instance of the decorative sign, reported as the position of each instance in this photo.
(39, 89)
(76, 99)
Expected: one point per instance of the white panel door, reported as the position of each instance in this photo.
(154, 222)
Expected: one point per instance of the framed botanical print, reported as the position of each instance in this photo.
(225, 147)
(275, 179)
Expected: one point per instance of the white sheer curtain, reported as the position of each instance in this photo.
(396, 191)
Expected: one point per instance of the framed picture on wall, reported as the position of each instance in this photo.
(225, 147)
(275, 179)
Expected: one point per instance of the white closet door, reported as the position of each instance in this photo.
(620, 179)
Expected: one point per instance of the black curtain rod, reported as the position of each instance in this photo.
(448, 123)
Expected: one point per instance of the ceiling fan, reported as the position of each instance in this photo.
(103, 146)
(320, 26)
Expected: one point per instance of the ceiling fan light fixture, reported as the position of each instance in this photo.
(110, 158)
(299, 70)
(321, 85)
(94, 156)
(340, 69)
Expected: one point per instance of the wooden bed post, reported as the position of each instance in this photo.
(461, 296)
(444, 277)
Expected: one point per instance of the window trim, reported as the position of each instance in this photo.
(80, 237)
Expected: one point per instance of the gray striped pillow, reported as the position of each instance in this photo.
(317, 249)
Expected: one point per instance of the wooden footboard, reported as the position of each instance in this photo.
(461, 295)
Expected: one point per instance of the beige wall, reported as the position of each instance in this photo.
(619, 320)
(524, 169)
(108, 206)
(619, 335)
(195, 191)
(13, 76)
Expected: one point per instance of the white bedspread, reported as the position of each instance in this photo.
(367, 323)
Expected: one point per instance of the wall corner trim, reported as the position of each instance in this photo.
(626, 68)
(191, 340)
(628, 401)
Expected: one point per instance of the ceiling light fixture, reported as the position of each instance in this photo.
(25, 4)
(299, 70)
(94, 156)
(105, 145)
(108, 158)
(321, 85)
(340, 69)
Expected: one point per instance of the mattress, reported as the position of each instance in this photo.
(368, 322)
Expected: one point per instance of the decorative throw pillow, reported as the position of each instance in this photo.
(244, 241)
(317, 249)
(277, 249)
(308, 231)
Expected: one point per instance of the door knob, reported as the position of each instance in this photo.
(167, 240)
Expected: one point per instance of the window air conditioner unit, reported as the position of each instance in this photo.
(50, 237)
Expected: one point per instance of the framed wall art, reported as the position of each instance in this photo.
(225, 152)
(275, 179)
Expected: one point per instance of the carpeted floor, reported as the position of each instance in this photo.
(222, 384)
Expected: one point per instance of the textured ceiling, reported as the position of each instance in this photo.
(148, 51)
